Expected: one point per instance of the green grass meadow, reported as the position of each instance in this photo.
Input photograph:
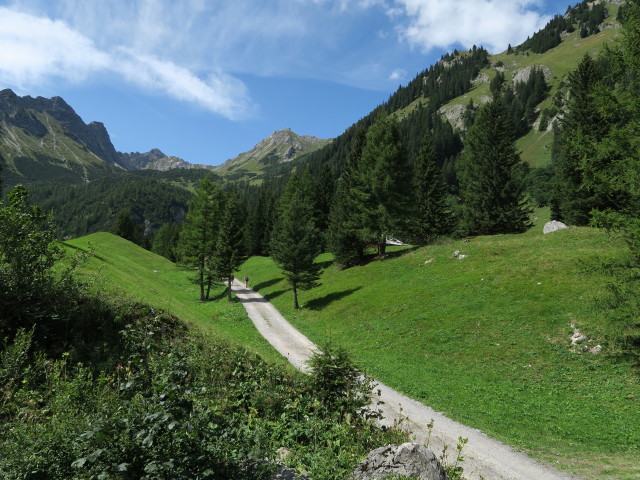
(122, 268)
(486, 340)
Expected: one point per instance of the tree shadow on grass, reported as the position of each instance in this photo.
(320, 303)
(326, 264)
(400, 253)
(275, 294)
(85, 251)
(266, 283)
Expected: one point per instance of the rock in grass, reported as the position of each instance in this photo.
(409, 460)
(553, 226)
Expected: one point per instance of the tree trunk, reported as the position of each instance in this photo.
(382, 246)
(201, 273)
(295, 297)
(208, 288)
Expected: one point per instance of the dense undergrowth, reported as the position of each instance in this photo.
(160, 403)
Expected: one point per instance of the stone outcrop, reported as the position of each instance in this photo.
(553, 226)
(409, 459)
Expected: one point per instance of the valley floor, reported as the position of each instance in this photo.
(484, 457)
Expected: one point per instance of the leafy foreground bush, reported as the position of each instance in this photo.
(169, 406)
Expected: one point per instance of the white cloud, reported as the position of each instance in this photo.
(220, 93)
(35, 50)
(32, 49)
(492, 23)
(398, 74)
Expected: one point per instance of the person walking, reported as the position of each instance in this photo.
(246, 281)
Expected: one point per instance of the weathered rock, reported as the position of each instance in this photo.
(595, 350)
(553, 226)
(577, 337)
(409, 459)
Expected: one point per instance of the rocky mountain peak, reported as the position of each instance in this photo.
(281, 146)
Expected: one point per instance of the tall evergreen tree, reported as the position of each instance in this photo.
(431, 217)
(345, 241)
(323, 196)
(612, 170)
(492, 191)
(385, 170)
(229, 253)
(576, 136)
(199, 234)
(295, 241)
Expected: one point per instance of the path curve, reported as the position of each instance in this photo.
(484, 457)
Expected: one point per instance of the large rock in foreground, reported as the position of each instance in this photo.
(409, 459)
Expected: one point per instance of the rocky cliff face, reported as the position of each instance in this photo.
(25, 113)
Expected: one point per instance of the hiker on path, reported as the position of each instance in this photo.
(246, 281)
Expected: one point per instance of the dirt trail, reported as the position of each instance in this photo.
(484, 458)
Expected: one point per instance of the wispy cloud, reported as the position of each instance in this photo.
(35, 50)
(492, 23)
(398, 74)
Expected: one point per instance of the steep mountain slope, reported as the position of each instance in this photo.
(44, 138)
(281, 146)
(556, 64)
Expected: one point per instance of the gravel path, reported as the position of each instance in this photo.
(484, 458)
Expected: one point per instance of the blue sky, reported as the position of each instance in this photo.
(205, 80)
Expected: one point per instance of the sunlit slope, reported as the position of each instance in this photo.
(129, 271)
(487, 340)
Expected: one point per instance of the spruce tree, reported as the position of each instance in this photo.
(491, 189)
(199, 234)
(431, 217)
(345, 241)
(385, 171)
(295, 242)
(579, 131)
(229, 253)
(612, 170)
(323, 196)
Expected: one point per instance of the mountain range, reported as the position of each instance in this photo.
(45, 139)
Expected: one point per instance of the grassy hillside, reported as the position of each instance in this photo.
(486, 340)
(126, 269)
(535, 147)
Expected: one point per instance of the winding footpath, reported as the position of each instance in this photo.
(484, 458)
